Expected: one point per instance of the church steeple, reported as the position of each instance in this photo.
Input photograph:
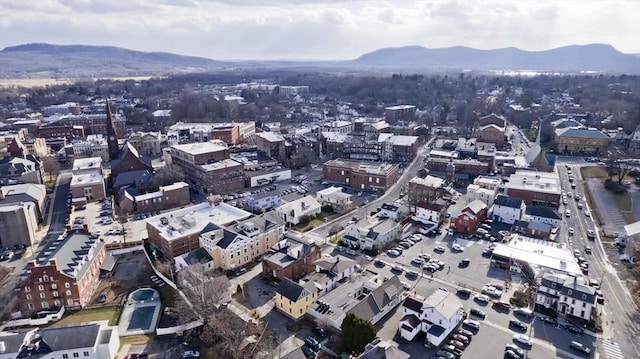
(112, 136)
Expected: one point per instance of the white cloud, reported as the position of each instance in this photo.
(245, 29)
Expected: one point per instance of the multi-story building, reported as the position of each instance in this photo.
(580, 140)
(400, 113)
(465, 170)
(21, 170)
(437, 316)
(230, 133)
(371, 232)
(178, 232)
(492, 119)
(508, 209)
(56, 130)
(66, 274)
(62, 109)
(428, 189)
(372, 146)
(92, 123)
(273, 145)
(330, 273)
(296, 211)
(365, 176)
(208, 168)
(294, 299)
(262, 201)
(242, 242)
(18, 224)
(535, 188)
(339, 201)
(430, 212)
(290, 259)
(27, 192)
(147, 142)
(87, 182)
(338, 126)
(166, 197)
(544, 215)
(90, 341)
(567, 295)
(468, 220)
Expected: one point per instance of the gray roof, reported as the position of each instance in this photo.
(294, 291)
(580, 133)
(132, 178)
(507, 201)
(196, 256)
(54, 339)
(31, 190)
(446, 303)
(20, 164)
(545, 212)
(69, 252)
(413, 304)
(476, 206)
(340, 264)
(12, 341)
(109, 262)
(378, 299)
(294, 354)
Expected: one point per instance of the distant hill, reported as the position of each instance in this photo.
(575, 58)
(54, 61)
(77, 61)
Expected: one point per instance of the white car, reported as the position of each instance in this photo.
(482, 298)
(567, 213)
(523, 339)
(471, 323)
(571, 231)
(417, 260)
(587, 213)
(492, 291)
(393, 252)
(457, 247)
(368, 258)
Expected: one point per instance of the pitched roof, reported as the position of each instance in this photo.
(446, 303)
(378, 299)
(413, 304)
(580, 133)
(475, 207)
(340, 264)
(506, 201)
(70, 253)
(294, 291)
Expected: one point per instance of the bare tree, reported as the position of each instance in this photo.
(168, 175)
(207, 292)
(51, 166)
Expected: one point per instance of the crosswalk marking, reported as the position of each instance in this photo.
(611, 349)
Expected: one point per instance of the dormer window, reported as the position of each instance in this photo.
(45, 278)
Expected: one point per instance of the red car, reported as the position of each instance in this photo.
(132, 356)
(461, 338)
(457, 344)
(503, 305)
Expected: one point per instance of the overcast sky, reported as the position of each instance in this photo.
(308, 29)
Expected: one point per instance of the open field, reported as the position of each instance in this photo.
(623, 201)
(50, 81)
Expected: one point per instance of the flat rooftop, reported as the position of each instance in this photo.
(546, 182)
(87, 178)
(193, 219)
(540, 254)
(80, 164)
(341, 299)
(429, 181)
(200, 147)
(362, 166)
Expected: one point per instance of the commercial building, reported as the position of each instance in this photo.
(298, 210)
(567, 295)
(339, 201)
(18, 224)
(468, 220)
(365, 176)
(427, 189)
(229, 133)
(290, 259)
(178, 232)
(400, 113)
(370, 232)
(27, 192)
(535, 188)
(65, 274)
(272, 144)
(208, 168)
(87, 182)
(166, 197)
(580, 140)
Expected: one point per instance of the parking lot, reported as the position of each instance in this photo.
(495, 332)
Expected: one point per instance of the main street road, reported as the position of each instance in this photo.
(389, 196)
(619, 310)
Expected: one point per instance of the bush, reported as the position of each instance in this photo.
(615, 187)
(372, 252)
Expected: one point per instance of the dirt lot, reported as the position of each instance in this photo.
(131, 271)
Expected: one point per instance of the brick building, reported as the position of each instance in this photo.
(427, 189)
(129, 160)
(535, 188)
(208, 168)
(94, 124)
(365, 176)
(55, 131)
(291, 259)
(492, 119)
(464, 169)
(166, 197)
(65, 275)
(468, 220)
(580, 140)
(229, 133)
(400, 113)
(272, 144)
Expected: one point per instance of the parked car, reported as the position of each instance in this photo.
(456, 343)
(574, 329)
(492, 291)
(482, 298)
(514, 348)
(439, 249)
(549, 320)
(458, 248)
(518, 324)
(470, 323)
(464, 263)
(398, 268)
(526, 312)
(523, 339)
(510, 354)
(501, 304)
(453, 350)
(312, 343)
(417, 260)
(465, 332)
(477, 313)
(308, 352)
(460, 338)
(191, 354)
(463, 292)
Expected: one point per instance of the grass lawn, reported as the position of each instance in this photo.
(167, 295)
(622, 201)
(136, 339)
(112, 314)
(336, 239)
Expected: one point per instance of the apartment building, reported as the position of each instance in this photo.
(535, 188)
(364, 176)
(427, 189)
(66, 274)
(436, 316)
(166, 197)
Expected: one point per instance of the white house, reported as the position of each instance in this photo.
(388, 210)
(330, 273)
(199, 258)
(437, 316)
(568, 295)
(292, 212)
(93, 341)
(430, 212)
(508, 209)
(332, 196)
(371, 232)
(475, 192)
(545, 215)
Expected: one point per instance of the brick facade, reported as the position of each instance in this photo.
(367, 176)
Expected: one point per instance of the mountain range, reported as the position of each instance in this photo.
(78, 61)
